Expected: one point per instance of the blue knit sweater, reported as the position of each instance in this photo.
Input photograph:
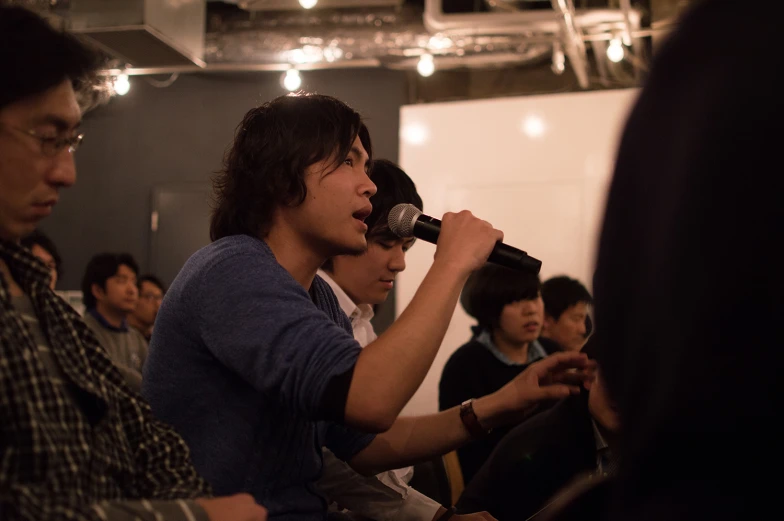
(238, 364)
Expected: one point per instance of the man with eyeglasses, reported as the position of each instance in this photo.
(151, 291)
(76, 443)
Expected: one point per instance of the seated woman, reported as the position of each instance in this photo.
(508, 307)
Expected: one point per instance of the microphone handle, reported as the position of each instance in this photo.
(511, 257)
(427, 228)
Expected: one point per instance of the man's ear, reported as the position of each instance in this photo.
(98, 292)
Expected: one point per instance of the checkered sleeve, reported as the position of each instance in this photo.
(20, 503)
(35, 503)
(177, 510)
(163, 464)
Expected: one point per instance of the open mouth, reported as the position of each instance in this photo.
(362, 214)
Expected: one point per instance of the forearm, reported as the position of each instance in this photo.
(411, 440)
(414, 439)
(390, 370)
(177, 510)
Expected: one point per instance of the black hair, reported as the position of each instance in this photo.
(100, 268)
(273, 146)
(393, 187)
(34, 57)
(492, 287)
(39, 238)
(152, 279)
(562, 292)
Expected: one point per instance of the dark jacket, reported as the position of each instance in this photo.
(533, 462)
(472, 372)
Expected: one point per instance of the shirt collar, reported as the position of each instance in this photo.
(105, 323)
(535, 349)
(352, 311)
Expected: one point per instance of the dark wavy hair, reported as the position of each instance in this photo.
(393, 186)
(34, 57)
(273, 146)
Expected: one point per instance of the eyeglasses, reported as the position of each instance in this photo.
(51, 146)
(150, 297)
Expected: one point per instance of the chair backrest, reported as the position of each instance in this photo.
(431, 480)
(440, 479)
(455, 475)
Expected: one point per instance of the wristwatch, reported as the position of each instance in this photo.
(471, 422)
(448, 514)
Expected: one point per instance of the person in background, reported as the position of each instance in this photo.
(567, 304)
(507, 305)
(359, 283)
(151, 291)
(42, 247)
(77, 444)
(110, 296)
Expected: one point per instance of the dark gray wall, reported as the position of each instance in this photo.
(178, 134)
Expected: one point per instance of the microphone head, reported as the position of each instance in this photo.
(402, 218)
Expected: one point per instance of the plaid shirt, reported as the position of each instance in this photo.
(68, 451)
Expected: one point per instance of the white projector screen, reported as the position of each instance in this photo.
(536, 167)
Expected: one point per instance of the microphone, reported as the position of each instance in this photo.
(405, 220)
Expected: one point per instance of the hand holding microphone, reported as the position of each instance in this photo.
(460, 236)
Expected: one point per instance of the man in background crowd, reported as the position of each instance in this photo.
(567, 304)
(151, 291)
(110, 296)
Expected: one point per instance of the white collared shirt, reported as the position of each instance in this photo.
(377, 505)
(359, 315)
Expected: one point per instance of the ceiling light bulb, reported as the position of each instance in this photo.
(121, 84)
(292, 80)
(426, 65)
(615, 51)
(308, 4)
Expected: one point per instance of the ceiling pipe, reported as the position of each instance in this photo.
(631, 26)
(436, 21)
(574, 45)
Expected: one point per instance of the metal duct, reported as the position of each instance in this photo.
(145, 33)
(506, 22)
(393, 38)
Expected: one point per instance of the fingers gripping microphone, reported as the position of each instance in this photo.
(405, 220)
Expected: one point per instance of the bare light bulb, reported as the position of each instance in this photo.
(292, 80)
(615, 51)
(426, 66)
(121, 84)
(308, 4)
